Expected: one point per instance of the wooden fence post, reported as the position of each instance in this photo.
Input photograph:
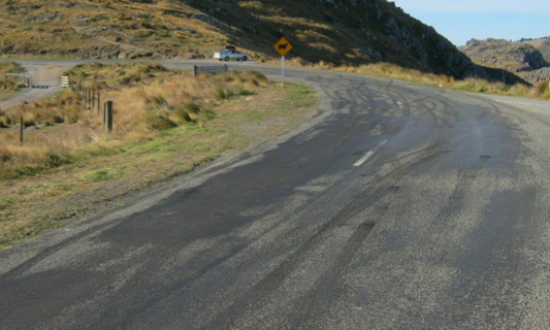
(21, 130)
(109, 116)
(195, 70)
(93, 98)
(98, 101)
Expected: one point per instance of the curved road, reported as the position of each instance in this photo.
(396, 206)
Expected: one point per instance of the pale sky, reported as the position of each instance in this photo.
(461, 20)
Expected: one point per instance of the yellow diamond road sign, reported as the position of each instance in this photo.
(283, 47)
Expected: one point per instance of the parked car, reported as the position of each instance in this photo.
(231, 54)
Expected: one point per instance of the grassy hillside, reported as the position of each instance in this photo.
(339, 32)
(542, 45)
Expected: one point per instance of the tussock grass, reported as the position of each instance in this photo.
(11, 85)
(541, 89)
(115, 76)
(443, 81)
(388, 70)
(147, 99)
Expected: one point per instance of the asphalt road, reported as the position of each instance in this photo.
(395, 206)
(45, 82)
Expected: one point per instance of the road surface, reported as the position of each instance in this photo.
(396, 206)
(45, 82)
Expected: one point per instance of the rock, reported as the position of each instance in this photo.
(531, 57)
(203, 18)
(536, 76)
(46, 17)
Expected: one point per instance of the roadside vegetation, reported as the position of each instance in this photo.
(388, 70)
(166, 124)
(9, 86)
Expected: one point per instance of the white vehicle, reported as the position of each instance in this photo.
(231, 54)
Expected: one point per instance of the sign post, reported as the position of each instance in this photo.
(283, 71)
(283, 47)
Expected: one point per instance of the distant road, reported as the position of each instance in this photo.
(46, 79)
(396, 206)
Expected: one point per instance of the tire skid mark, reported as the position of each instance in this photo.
(276, 277)
(446, 117)
(164, 294)
(466, 179)
(398, 104)
(25, 266)
(114, 318)
(270, 283)
(169, 291)
(324, 285)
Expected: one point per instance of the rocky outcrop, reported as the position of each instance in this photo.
(529, 57)
(541, 44)
(522, 59)
(536, 76)
(498, 51)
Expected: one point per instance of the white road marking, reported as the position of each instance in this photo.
(370, 153)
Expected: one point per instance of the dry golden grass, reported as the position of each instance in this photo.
(104, 28)
(147, 99)
(7, 87)
(64, 178)
(388, 70)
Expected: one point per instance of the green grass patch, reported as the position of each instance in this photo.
(5, 203)
(100, 175)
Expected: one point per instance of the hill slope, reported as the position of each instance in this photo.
(341, 32)
(522, 58)
(541, 44)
